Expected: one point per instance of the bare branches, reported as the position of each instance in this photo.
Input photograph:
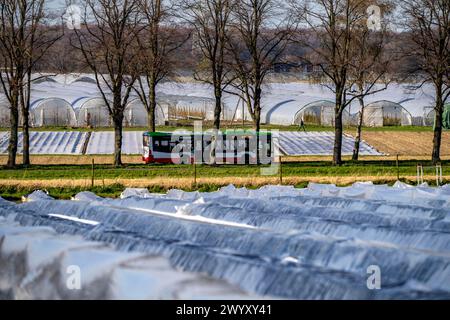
(156, 45)
(260, 35)
(346, 52)
(108, 43)
(210, 20)
(428, 25)
(24, 39)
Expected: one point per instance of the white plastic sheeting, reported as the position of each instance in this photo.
(103, 143)
(313, 243)
(4, 113)
(45, 259)
(48, 142)
(92, 112)
(278, 106)
(85, 79)
(52, 112)
(429, 115)
(4, 140)
(319, 143)
(386, 113)
(136, 114)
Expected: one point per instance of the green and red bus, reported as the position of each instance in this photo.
(230, 147)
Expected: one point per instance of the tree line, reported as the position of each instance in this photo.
(130, 46)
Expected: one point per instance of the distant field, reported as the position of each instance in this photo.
(406, 143)
(65, 175)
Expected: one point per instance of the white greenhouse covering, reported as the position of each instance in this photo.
(386, 113)
(136, 114)
(282, 103)
(429, 115)
(189, 107)
(52, 112)
(92, 112)
(320, 112)
(86, 79)
(312, 110)
(43, 79)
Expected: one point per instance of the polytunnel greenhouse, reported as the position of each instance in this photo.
(428, 116)
(193, 108)
(312, 110)
(386, 113)
(91, 112)
(136, 114)
(52, 112)
(321, 113)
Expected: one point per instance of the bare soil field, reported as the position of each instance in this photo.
(406, 143)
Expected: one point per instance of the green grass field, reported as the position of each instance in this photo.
(364, 168)
(381, 171)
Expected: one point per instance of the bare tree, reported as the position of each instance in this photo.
(370, 62)
(428, 23)
(41, 37)
(12, 68)
(107, 40)
(23, 42)
(333, 24)
(156, 44)
(256, 45)
(210, 20)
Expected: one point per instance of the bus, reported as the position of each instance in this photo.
(229, 147)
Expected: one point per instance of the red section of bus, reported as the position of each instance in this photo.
(151, 159)
(159, 160)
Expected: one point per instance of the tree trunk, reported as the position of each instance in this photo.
(13, 138)
(439, 109)
(26, 137)
(337, 151)
(257, 126)
(118, 141)
(355, 156)
(152, 108)
(218, 107)
(25, 102)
